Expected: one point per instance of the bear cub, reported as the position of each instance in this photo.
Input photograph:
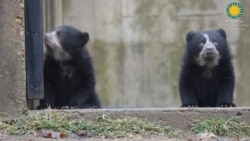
(69, 79)
(207, 75)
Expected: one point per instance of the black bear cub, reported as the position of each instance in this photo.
(69, 79)
(207, 75)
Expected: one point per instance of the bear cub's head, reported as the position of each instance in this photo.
(65, 42)
(207, 47)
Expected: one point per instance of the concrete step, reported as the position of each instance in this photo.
(179, 118)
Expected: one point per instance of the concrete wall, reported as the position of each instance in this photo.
(137, 45)
(12, 62)
(242, 57)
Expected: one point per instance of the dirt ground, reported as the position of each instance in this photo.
(176, 118)
(186, 137)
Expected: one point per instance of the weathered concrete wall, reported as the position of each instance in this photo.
(12, 62)
(137, 45)
(242, 57)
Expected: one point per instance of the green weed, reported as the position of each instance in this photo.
(104, 127)
(226, 126)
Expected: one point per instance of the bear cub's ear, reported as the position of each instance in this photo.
(222, 33)
(85, 37)
(190, 35)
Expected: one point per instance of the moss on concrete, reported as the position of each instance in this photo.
(67, 4)
(101, 67)
(108, 59)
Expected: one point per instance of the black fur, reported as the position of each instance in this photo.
(212, 84)
(69, 79)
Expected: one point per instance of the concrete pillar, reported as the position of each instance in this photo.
(12, 57)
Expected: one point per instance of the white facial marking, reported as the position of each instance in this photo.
(202, 61)
(207, 39)
(53, 39)
(53, 42)
(61, 55)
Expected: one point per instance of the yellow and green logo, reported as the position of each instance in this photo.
(234, 10)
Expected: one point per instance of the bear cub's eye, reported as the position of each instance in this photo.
(58, 34)
(201, 44)
(215, 43)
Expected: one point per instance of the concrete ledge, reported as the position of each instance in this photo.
(179, 118)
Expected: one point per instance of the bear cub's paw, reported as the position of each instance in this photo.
(226, 105)
(189, 105)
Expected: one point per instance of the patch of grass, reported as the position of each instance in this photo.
(104, 127)
(28, 123)
(126, 126)
(224, 127)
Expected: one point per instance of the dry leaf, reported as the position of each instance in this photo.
(46, 133)
(64, 135)
(53, 134)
